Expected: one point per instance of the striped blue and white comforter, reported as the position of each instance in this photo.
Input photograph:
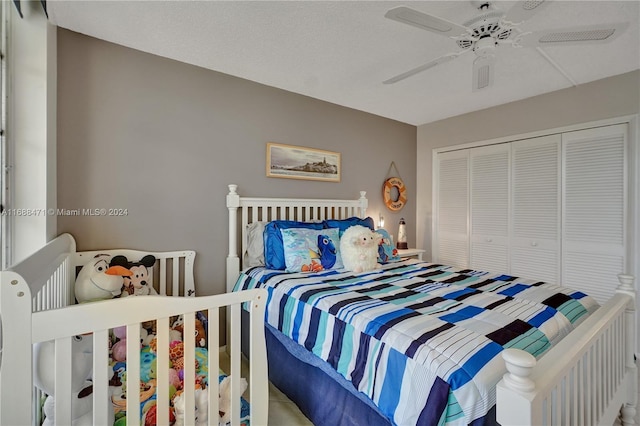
(422, 340)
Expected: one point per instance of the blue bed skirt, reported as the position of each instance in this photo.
(322, 394)
(330, 400)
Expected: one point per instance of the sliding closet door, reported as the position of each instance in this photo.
(451, 205)
(535, 206)
(490, 189)
(594, 205)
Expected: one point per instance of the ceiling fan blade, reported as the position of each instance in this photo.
(600, 33)
(426, 22)
(483, 72)
(438, 61)
(523, 10)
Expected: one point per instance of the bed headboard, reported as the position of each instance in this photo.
(254, 209)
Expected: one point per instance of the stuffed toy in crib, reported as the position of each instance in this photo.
(100, 280)
(138, 283)
(224, 404)
(148, 363)
(359, 248)
(201, 336)
(81, 386)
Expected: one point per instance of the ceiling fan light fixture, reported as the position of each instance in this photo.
(485, 47)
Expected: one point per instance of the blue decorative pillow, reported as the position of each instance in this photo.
(343, 224)
(311, 250)
(273, 250)
(387, 253)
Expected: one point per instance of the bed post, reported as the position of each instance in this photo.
(233, 261)
(628, 411)
(516, 390)
(364, 203)
(16, 379)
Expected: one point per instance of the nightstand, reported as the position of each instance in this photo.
(411, 252)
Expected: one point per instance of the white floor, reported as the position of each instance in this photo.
(282, 412)
(637, 416)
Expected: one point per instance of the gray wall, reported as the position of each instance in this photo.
(163, 139)
(608, 98)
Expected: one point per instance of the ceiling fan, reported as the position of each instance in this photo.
(492, 28)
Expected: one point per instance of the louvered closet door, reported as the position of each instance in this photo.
(452, 207)
(490, 184)
(535, 206)
(594, 205)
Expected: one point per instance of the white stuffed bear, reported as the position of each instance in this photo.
(224, 403)
(202, 403)
(81, 408)
(81, 387)
(359, 248)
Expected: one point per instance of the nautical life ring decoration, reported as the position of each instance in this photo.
(389, 199)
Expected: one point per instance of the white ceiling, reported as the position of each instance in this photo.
(342, 51)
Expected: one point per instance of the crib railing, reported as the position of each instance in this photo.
(591, 383)
(60, 325)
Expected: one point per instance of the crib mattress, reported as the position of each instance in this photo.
(421, 340)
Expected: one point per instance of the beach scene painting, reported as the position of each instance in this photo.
(297, 162)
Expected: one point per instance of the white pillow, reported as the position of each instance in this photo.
(254, 253)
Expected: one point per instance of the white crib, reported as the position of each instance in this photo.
(37, 305)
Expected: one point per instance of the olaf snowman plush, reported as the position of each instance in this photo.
(98, 280)
(81, 386)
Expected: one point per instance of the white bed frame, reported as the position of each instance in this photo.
(37, 305)
(589, 378)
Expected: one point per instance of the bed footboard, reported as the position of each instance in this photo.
(589, 378)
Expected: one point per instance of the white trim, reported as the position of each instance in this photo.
(5, 182)
(31, 128)
(633, 147)
(538, 133)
